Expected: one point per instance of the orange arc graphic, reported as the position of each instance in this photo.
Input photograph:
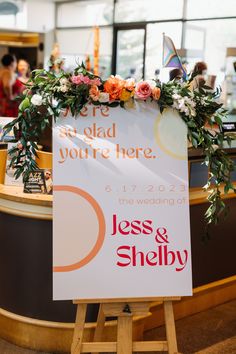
(101, 233)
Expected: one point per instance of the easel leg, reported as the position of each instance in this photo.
(79, 329)
(100, 326)
(170, 327)
(124, 335)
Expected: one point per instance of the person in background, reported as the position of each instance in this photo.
(199, 72)
(157, 74)
(132, 72)
(10, 87)
(23, 69)
(176, 75)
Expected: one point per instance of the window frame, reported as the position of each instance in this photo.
(116, 26)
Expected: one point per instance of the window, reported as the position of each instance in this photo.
(85, 13)
(210, 8)
(219, 34)
(15, 21)
(130, 53)
(203, 39)
(147, 10)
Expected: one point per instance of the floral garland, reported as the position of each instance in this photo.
(47, 94)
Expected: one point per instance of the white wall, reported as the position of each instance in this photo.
(40, 16)
(35, 16)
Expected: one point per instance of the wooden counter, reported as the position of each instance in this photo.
(199, 196)
(13, 201)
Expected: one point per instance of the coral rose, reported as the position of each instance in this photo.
(143, 90)
(156, 93)
(94, 93)
(114, 86)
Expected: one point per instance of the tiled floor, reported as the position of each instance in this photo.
(209, 332)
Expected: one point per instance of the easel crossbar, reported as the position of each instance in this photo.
(126, 300)
(111, 347)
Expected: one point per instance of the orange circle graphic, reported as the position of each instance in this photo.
(101, 233)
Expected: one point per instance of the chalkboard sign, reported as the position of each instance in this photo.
(35, 183)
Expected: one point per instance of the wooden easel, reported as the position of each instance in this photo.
(124, 310)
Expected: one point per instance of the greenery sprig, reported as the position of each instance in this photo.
(47, 94)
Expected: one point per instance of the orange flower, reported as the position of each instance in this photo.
(156, 93)
(114, 86)
(94, 93)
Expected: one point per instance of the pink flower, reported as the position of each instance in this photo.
(95, 81)
(143, 90)
(81, 79)
(76, 79)
(94, 93)
(86, 80)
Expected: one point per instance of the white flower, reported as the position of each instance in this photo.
(184, 104)
(54, 102)
(118, 77)
(215, 147)
(203, 101)
(175, 105)
(64, 81)
(103, 97)
(189, 101)
(64, 88)
(176, 96)
(64, 85)
(37, 100)
(193, 112)
(130, 81)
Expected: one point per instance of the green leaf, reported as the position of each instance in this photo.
(24, 104)
(194, 142)
(218, 120)
(114, 104)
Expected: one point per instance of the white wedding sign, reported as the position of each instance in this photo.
(121, 206)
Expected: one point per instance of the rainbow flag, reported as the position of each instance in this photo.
(170, 56)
